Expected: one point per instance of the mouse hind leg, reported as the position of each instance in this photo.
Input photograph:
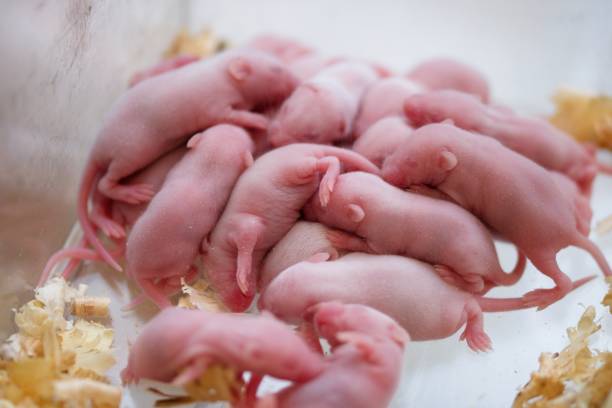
(249, 229)
(474, 333)
(110, 186)
(542, 298)
(99, 216)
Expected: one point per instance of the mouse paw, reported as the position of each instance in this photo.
(109, 227)
(133, 194)
(541, 298)
(347, 242)
(476, 339)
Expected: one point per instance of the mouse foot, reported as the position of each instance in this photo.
(542, 298)
(109, 227)
(476, 339)
(132, 194)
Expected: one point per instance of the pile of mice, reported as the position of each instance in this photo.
(360, 204)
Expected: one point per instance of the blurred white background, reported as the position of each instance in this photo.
(63, 64)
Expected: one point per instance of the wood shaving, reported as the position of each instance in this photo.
(200, 296)
(54, 361)
(202, 44)
(586, 117)
(90, 307)
(604, 226)
(575, 377)
(80, 390)
(607, 300)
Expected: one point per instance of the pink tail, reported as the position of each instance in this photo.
(352, 159)
(76, 252)
(604, 168)
(507, 279)
(87, 183)
(250, 394)
(588, 245)
(510, 304)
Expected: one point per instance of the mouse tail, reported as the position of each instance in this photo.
(589, 246)
(90, 176)
(353, 160)
(509, 304)
(80, 253)
(510, 278)
(604, 168)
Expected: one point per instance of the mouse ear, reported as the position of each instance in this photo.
(248, 159)
(239, 68)
(193, 141)
(447, 160)
(355, 212)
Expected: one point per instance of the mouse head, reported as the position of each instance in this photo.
(425, 158)
(382, 138)
(261, 78)
(311, 115)
(156, 350)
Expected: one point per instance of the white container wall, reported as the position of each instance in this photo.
(64, 63)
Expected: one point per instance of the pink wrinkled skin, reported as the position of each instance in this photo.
(178, 345)
(407, 290)
(264, 205)
(532, 137)
(166, 239)
(396, 222)
(163, 67)
(493, 182)
(382, 99)
(304, 241)
(160, 113)
(382, 138)
(364, 368)
(445, 73)
(322, 109)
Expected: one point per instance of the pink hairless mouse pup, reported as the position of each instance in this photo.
(160, 113)
(512, 194)
(364, 367)
(304, 241)
(407, 290)
(284, 48)
(382, 138)
(446, 73)
(166, 239)
(384, 98)
(263, 207)
(322, 109)
(396, 222)
(532, 137)
(179, 344)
